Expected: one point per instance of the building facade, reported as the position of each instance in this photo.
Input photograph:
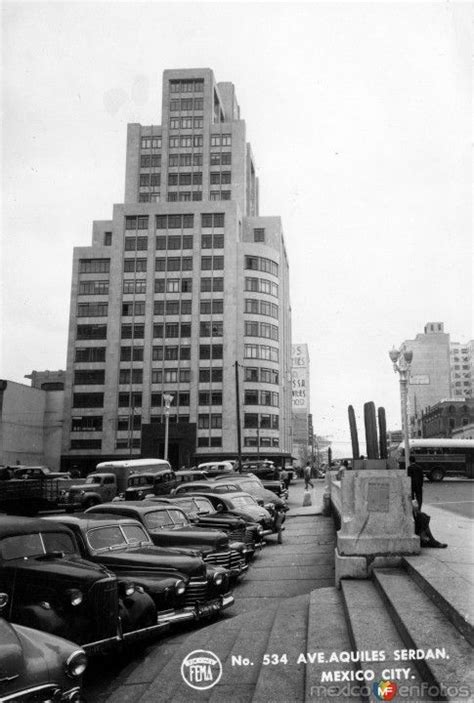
(185, 291)
(430, 371)
(448, 418)
(31, 423)
(462, 369)
(302, 418)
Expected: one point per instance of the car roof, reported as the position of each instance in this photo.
(230, 494)
(90, 519)
(17, 525)
(140, 507)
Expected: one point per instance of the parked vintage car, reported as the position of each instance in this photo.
(159, 482)
(269, 476)
(51, 588)
(170, 527)
(243, 505)
(202, 513)
(124, 546)
(216, 468)
(251, 484)
(37, 666)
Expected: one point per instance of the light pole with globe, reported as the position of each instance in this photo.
(167, 399)
(401, 364)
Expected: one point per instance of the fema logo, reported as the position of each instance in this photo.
(385, 690)
(201, 669)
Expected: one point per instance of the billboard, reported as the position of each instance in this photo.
(300, 378)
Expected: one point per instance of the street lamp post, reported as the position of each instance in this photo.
(167, 399)
(401, 364)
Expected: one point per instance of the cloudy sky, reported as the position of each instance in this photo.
(359, 116)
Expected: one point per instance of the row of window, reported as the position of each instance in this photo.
(151, 179)
(221, 139)
(99, 287)
(213, 219)
(174, 242)
(170, 329)
(183, 179)
(221, 158)
(151, 142)
(149, 197)
(261, 329)
(261, 442)
(186, 105)
(134, 399)
(261, 285)
(195, 85)
(94, 265)
(194, 159)
(252, 396)
(92, 309)
(186, 141)
(174, 285)
(260, 263)
(215, 195)
(261, 351)
(261, 307)
(184, 196)
(261, 420)
(150, 161)
(186, 122)
(260, 375)
(89, 354)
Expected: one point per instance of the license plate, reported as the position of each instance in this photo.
(209, 609)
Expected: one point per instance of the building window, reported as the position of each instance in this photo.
(88, 400)
(215, 219)
(89, 378)
(92, 309)
(127, 376)
(259, 234)
(136, 309)
(107, 239)
(131, 285)
(259, 263)
(87, 423)
(211, 329)
(100, 287)
(94, 265)
(134, 265)
(91, 332)
(89, 354)
(132, 331)
(131, 353)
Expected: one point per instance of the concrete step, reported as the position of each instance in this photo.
(447, 659)
(374, 636)
(283, 678)
(327, 635)
(447, 589)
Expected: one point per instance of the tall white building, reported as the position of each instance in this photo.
(184, 282)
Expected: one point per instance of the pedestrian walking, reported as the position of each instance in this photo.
(307, 476)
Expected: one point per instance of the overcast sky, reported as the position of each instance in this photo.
(359, 117)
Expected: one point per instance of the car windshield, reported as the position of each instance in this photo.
(116, 536)
(93, 479)
(36, 544)
(204, 505)
(140, 481)
(242, 501)
(157, 519)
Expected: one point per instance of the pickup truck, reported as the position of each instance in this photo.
(19, 496)
(97, 488)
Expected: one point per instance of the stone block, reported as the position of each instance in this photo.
(353, 567)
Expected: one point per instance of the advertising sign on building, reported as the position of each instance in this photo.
(300, 377)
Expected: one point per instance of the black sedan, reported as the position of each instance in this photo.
(125, 547)
(170, 527)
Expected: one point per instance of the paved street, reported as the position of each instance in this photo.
(453, 494)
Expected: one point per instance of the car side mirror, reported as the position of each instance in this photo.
(3, 601)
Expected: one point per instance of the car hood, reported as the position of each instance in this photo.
(145, 559)
(70, 567)
(197, 537)
(32, 655)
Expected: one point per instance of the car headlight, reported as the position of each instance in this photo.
(75, 596)
(179, 588)
(218, 579)
(76, 664)
(126, 589)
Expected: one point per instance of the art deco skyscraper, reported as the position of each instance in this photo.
(185, 280)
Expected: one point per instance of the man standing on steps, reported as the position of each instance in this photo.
(307, 476)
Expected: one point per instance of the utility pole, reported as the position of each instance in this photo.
(237, 408)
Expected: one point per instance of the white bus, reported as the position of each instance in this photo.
(442, 457)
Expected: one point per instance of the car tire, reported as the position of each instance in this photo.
(436, 474)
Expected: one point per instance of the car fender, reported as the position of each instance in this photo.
(137, 611)
(41, 617)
